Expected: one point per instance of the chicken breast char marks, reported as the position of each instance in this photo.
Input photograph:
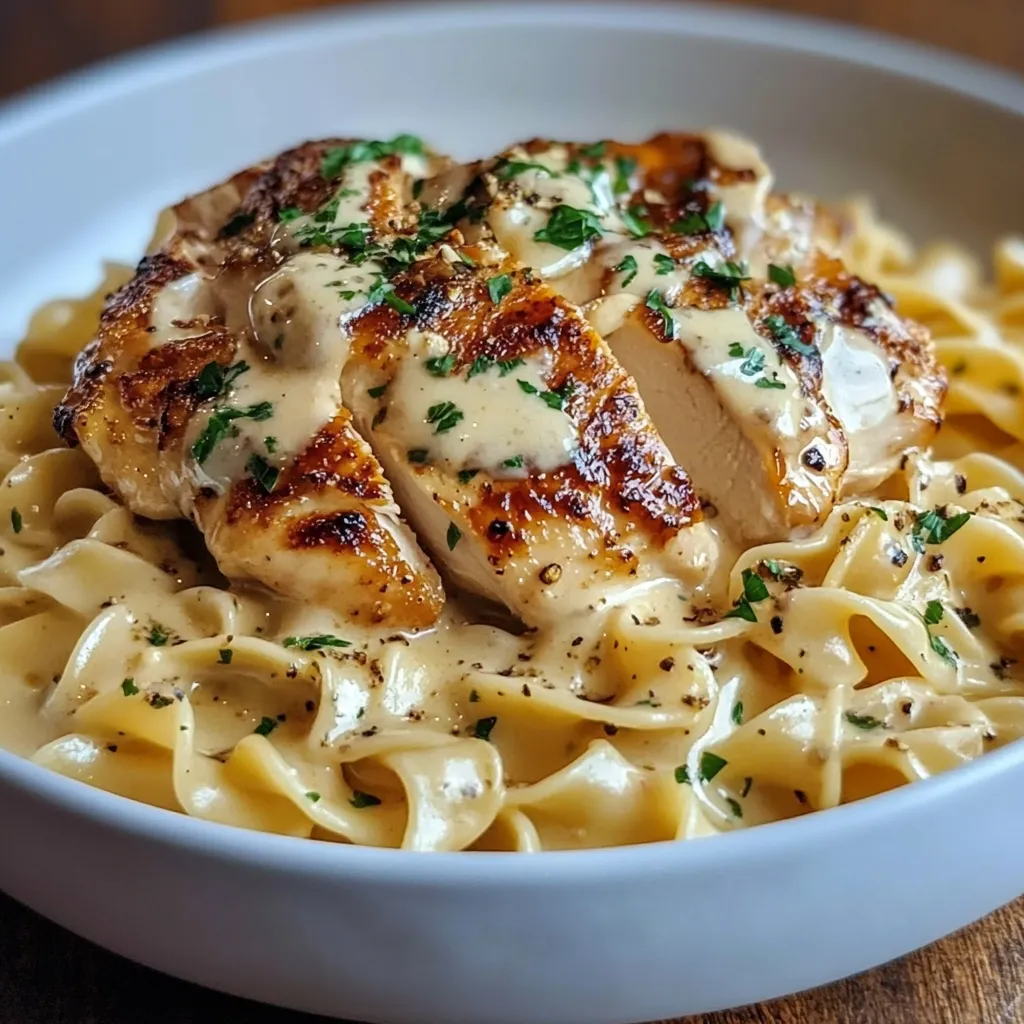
(516, 443)
(777, 378)
(211, 393)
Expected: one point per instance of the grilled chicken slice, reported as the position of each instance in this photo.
(778, 379)
(213, 388)
(517, 445)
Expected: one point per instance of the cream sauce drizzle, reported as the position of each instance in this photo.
(501, 423)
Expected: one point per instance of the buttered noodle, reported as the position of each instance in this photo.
(882, 648)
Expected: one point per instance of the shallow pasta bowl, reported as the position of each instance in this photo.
(600, 936)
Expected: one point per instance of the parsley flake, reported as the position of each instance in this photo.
(214, 379)
(737, 713)
(863, 721)
(710, 765)
(569, 228)
(625, 166)
(682, 774)
(629, 267)
(158, 636)
(933, 613)
(128, 687)
(336, 160)
(444, 416)
(263, 473)
(664, 264)
(657, 303)
(315, 642)
(465, 475)
(361, 799)
(729, 277)
(454, 536)
(226, 654)
(513, 168)
(440, 366)
(782, 276)
(935, 527)
(16, 520)
(498, 287)
(219, 424)
(313, 796)
(787, 335)
(774, 382)
(266, 726)
(880, 512)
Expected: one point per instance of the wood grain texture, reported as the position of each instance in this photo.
(48, 976)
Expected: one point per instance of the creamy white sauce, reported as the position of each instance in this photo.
(743, 201)
(501, 424)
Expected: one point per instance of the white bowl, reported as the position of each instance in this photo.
(598, 936)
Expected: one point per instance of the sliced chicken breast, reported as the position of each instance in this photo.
(213, 388)
(777, 378)
(518, 446)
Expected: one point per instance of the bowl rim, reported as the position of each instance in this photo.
(95, 85)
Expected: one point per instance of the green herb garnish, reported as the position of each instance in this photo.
(454, 536)
(629, 267)
(754, 589)
(786, 335)
(710, 765)
(361, 799)
(128, 687)
(782, 276)
(863, 721)
(219, 424)
(624, 168)
(16, 520)
(934, 527)
(214, 379)
(315, 642)
(158, 636)
(263, 473)
(729, 277)
(335, 160)
(444, 416)
(516, 462)
(465, 475)
(440, 366)
(498, 287)
(226, 654)
(657, 303)
(664, 263)
(737, 713)
(569, 228)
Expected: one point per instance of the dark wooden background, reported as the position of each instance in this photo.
(48, 976)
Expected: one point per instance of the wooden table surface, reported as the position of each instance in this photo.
(48, 976)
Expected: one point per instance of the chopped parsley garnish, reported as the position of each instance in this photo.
(506, 366)
(782, 276)
(624, 168)
(754, 589)
(710, 765)
(214, 379)
(384, 291)
(695, 223)
(226, 654)
(263, 472)
(635, 220)
(515, 462)
(729, 277)
(481, 364)
(933, 613)
(313, 796)
(444, 416)
(465, 475)
(219, 424)
(315, 642)
(158, 636)
(361, 799)
(594, 151)
(764, 382)
(682, 774)
(454, 536)
(880, 512)
(554, 399)
(439, 366)
(288, 213)
(657, 303)
(747, 783)
(863, 721)
(158, 701)
(734, 807)
(786, 335)
(513, 168)
(16, 520)
(270, 443)
(266, 726)
(569, 228)
(498, 287)
(736, 350)
(737, 713)
(753, 364)
(935, 528)
(336, 160)
(629, 267)
(379, 417)
(664, 263)
(474, 696)
(417, 455)
(128, 687)
(378, 391)
(942, 649)
(482, 728)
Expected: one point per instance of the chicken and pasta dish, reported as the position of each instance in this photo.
(586, 495)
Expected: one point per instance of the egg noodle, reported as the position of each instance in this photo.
(880, 649)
